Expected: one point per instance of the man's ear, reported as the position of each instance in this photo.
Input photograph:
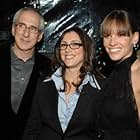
(40, 36)
(13, 30)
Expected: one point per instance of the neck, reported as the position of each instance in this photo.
(72, 74)
(23, 54)
(72, 77)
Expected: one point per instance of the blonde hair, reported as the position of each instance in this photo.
(122, 20)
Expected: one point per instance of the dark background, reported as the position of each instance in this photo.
(8, 7)
(61, 14)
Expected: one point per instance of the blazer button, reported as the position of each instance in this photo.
(100, 134)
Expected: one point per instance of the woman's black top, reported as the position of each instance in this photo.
(119, 115)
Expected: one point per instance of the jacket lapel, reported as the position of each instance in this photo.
(52, 106)
(86, 95)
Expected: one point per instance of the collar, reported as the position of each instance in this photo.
(14, 58)
(57, 78)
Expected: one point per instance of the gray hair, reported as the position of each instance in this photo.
(20, 11)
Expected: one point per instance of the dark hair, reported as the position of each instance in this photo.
(123, 20)
(89, 54)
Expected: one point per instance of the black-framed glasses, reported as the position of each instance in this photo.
(73, 45)
(22, 27)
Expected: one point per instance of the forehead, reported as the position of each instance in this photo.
(72, 35)
(29, 17)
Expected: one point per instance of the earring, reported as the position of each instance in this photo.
(134, 45)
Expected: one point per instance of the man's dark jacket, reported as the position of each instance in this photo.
(12, 124)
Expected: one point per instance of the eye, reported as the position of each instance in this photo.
(34, 29)
(106, 35)
(21, 25)
(122, 33)
(75, 45)
(63, 45)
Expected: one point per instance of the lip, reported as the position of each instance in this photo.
(25, 41)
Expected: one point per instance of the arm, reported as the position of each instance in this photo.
(33, 125)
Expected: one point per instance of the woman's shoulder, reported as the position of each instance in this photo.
(101, 81)
(45, 81)
(46, 84)
(136, 66)
(135, 75)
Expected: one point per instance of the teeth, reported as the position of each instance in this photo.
(69, 56)
(114, 50)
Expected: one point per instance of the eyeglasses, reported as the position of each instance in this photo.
(22, 27)
(73, 45)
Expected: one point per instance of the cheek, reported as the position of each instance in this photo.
(80, 54)
(62, 55)
(105, 43)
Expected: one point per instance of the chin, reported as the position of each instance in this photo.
(115, 58)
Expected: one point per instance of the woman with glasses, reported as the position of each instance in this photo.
(66, 104)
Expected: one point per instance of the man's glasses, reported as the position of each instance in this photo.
(73, 45)
(22, 27)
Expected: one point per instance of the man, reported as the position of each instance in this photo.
(20, 68)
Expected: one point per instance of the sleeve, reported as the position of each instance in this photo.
(33, 124)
